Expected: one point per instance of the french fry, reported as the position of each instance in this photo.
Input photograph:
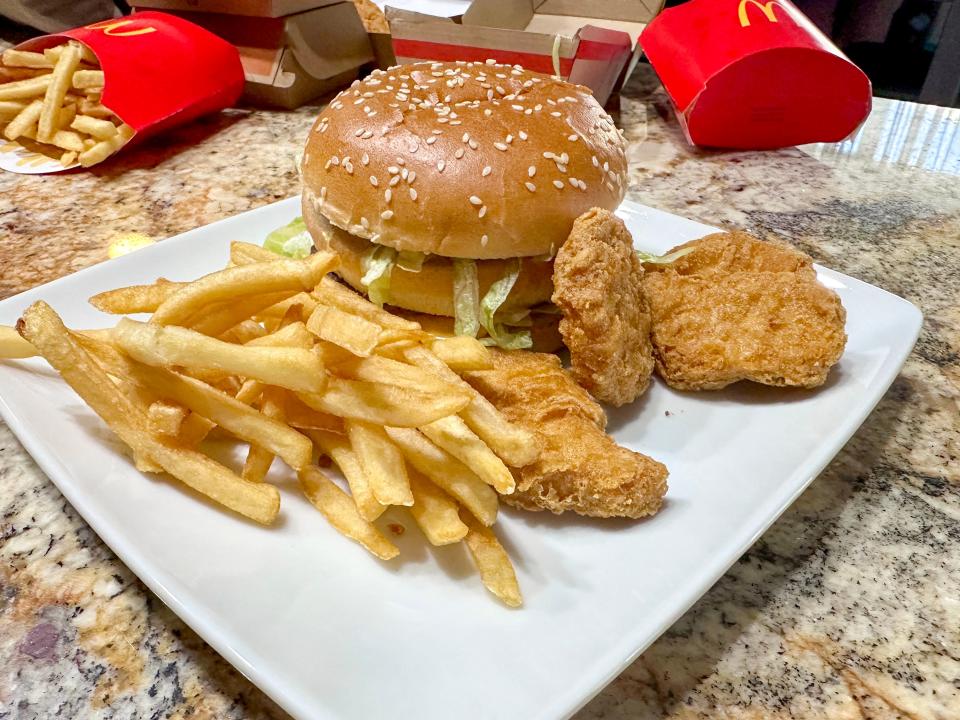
(244, 332)
(166, 418)
(337, 448)
(68, 158)
(100, 129)
(41, 326)
(496, 570)
(306, 302)
(452, 434)
(194, 429)
(292, 335)
(56, 90)
(166, 346)
(68, 113)
(462, 353)
(135, 298)
(340, 512)
(67, 140)
(24, 58)
(28, 88)
(435, 512)
(93, 108)
(83, 79)
(515, 446)
(11, 108)
(332, 293)
(381, 461)
(259, 459)
(351, 332)
(244, 253)
(86, 54)
(226, 411)
(447, 472)
(105, 148)
(244, 281)
(223, 316)
(299, 415)
(382, 404)
(249, 392)
(383, 370)
(14, 347)
(26, 119)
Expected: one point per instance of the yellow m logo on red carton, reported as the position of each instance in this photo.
(766, 8)
(112, 28)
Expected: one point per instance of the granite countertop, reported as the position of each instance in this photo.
(846, 608)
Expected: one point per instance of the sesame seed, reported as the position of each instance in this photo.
(558, 184)
(334, 160)
(441, 165)
(358, 101)
(431, 140)
(364, 223)
(374, 181)
(413, 194)
(367, 134)
(564, 158)
(488, 112)
(394, 180)
(573, 137)
(531, 171)
(387, 195)
(486, 170)
(517, 107)
(484, 240)
(500, 146)
(365, 159)
(530, 186)
(483, 211)
(323, 193)
(459, 153)
(561, 167)
(465, 138)
(501, 91)
(555, 114)
(472, 144)
(522, 134)
(386, 214)
(509, 139)
(474, 200)
(606, 167)
(411, 177)
(573, 182)
(596, 163)
(455, 122)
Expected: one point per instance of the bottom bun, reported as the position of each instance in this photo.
(545, 331)
(430, 290)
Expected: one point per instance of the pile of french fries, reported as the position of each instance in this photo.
(50, 103)
(276, 354)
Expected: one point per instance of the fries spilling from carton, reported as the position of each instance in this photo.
(276, 355)
(50, 103)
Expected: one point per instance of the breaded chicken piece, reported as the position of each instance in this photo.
(738, 308)
(605, 324)
(580, 468)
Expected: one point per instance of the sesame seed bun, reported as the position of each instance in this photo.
(466, 160)
(430, 290)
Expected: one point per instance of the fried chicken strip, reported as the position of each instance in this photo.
(581, 468)
(738, 308)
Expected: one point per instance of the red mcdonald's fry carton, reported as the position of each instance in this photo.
(752, 74)
(159, 70)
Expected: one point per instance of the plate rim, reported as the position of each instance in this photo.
(634, 640)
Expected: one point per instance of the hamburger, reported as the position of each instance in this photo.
(448, 187)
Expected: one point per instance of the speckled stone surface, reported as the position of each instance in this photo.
(848, 607)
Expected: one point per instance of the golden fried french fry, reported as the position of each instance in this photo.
(68, 158)
(515, 446)
(68, 140)
(224, 410)
(11, 108)
(26, 119)
(135, 298)
(166, 346)
(462, 353)
(68, 113)
(351, 332)
(83, 79)
(95, 109)
(496, 570)
(12, 346)
(381, 461)
(194, 429)
(28, 88)
(223, 316)
(105, 148)
(340, 511)
(100, 129)
(24, 58)
(41, 326)
(447, 472)
(244, 332)
(259, 459)
(244, 253)
(382, 404)
(452, 434)
(249, 392)
(337, 448)
(332, 293)
(436, 513)
(306, 302)
(292, 335)
(244, 281)
(56, 91)
(385, 371)
(166, 418)
(86, 54)
(299, 415)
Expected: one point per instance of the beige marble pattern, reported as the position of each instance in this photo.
(846, 608)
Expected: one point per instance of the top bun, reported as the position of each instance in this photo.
(463, 159)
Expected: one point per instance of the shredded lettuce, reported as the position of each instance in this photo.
(411, 260)
(378, 263)
(495, 297)
(646, 257)
(466, 298)
(291, 240)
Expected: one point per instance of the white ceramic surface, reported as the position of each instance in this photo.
(330, 632)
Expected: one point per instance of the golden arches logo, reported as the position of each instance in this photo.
(766, 8)
(112, 28)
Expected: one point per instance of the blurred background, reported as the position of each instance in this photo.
(910, 49)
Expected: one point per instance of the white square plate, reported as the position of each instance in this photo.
(330, 632)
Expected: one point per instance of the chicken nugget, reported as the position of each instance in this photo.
(606, 323)
(744, 309)
(580, 467)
